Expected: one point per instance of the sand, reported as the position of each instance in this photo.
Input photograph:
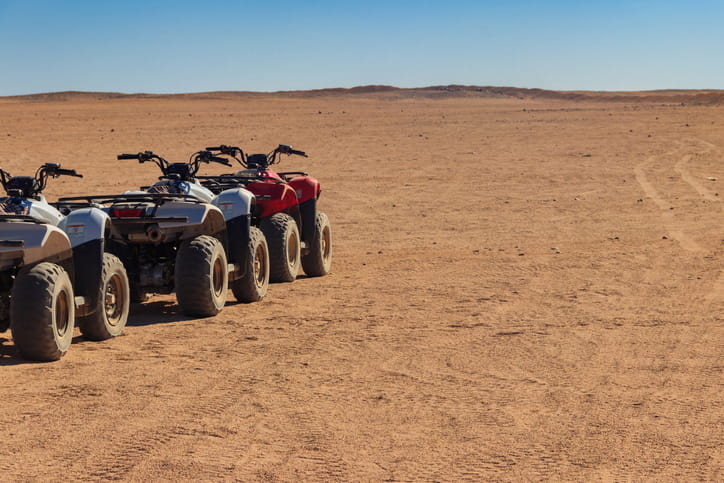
(522, 289)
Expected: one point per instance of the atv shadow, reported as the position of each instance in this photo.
(157, 312)
(8, 354)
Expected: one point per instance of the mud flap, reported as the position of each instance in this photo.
(88, 260)
(237, 230)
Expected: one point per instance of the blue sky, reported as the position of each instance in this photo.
(205, 45)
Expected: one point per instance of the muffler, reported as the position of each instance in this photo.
(154, 234)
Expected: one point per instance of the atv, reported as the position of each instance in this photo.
(54, 269)
(176, 235)
(296, 231)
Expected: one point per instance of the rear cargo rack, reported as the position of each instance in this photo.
(234, 178)
(151, 219)
(157, 198)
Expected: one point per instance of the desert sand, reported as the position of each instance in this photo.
(525, 286)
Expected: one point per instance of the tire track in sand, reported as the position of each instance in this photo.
(716, 292)
(682, 170)
(190, 423)
(686, 242)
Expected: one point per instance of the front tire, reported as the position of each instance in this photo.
(253, 286)
(318, 261)
(202, 276)
(111, 314)
(282, 235)
(42, 312)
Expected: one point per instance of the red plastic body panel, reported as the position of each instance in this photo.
(272, 197)
(305, 187)
(270, 173)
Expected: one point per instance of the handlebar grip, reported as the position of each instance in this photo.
(220, 160)
(300, 153)
(69, 172)
(214, 148)
(127, 156)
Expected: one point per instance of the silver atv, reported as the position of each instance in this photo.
(54, 269)
(177, 236)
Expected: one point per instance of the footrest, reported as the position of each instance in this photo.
(81, 306)
(234, 270)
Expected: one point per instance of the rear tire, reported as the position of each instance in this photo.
(202, 276)
(42, 312)
(111, 312)
(282, 236)
(318, 261)
(253, 286)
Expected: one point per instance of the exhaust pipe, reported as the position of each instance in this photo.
(153, 232)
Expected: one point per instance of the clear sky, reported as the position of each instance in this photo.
(159, 46)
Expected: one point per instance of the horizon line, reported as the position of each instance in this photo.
(376, 88)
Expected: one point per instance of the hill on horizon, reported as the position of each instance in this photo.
(692, 96)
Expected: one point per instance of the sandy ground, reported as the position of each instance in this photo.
(522, 290)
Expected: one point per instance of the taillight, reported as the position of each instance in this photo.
(127, 213)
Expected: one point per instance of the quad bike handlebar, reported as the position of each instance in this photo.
(234, 152)
(183, 171)
(27, 186)
(54, 170)
(207, 156)
(256, 160)
(286, 149)
(143, 157)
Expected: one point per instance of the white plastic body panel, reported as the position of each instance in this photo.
(40, 242)
(41, 210)
(84, 225)
(191, 188)
(195, 212)
(200, 192)
(234, 202)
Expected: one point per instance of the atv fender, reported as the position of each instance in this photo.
(305, 187)
(234, 203)
(201, 219)
(27, 244)
(85, 225)
(87, 229)
(273, 198)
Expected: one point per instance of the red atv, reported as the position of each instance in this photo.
(286, 211)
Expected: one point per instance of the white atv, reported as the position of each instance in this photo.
(54, 269)
(176, 235)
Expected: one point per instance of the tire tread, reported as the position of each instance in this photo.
(245, 289)
(193, 277)
(275, 230)
(313, 262)
(31, 312)
(93, 326)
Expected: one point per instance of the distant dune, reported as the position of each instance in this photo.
(700, 97)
